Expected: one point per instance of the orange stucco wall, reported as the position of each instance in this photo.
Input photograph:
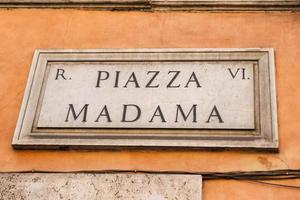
(24, 30)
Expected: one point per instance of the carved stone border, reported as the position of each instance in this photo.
(157, 5)
(263, 137)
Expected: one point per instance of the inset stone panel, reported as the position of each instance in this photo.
(150, 98)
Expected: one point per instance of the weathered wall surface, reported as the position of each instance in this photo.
(24, 30)
(99, 186)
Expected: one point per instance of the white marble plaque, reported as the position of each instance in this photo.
(150, 98)
(198, 95)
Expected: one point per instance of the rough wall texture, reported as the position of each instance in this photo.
(99, 186)
(23, 31)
